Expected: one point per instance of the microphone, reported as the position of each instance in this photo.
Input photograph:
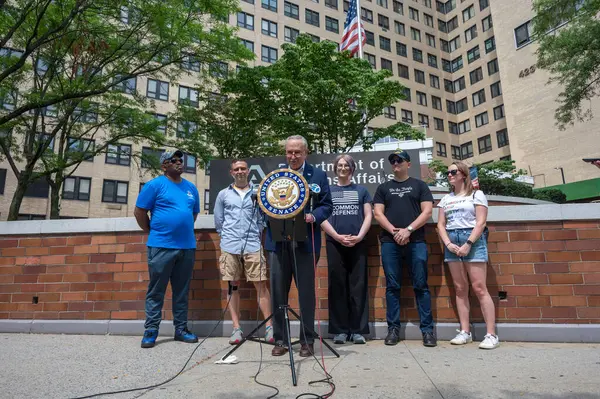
(254, 194)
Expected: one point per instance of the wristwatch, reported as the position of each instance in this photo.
(469, 242)
(410, 229)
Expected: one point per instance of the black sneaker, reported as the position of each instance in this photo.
(393, 337)
(429, 339)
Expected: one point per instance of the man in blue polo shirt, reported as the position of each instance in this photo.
(174, 204)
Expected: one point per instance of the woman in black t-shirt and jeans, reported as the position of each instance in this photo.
(346, 229)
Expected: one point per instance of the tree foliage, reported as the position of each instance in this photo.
(67, 73)
(568, 32)
(312, 90)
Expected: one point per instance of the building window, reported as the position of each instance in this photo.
(415, 34)
(419, 76)
(185, 128)
(407, 116)
(192, 63)
(451, 107)
(457, 64)
(382, 3)
(473, 54)
(481, 119)
(458, 84)
(496, 89)
(399, 28)
(2, 180)
(432, 60)
(438, 124)
(464, 126)
(245, 20)
(371, 59)
(290, 34)
(454, 44)
(370, 38)
(413, 14)
(485, 144)
(77, 188)
(83, 148)
(436, 103)
(423, 120)
(417, 55)
(462, 105)
(383, 21)
(490, 45)
(269, 28)
(188, 96)
(468, 13)
(332, 25)
(331, 4)
(456, 152)
(206, 200)
(499, 112)
(430, 40)
(523, 34)
(492, 67)
(366, 15)
(189, 163)
(466, 150)
(403, 71)
(311, 17)
(401, 49)
(385, 43)
(506, 158)
(446, 65)
(442, 26)
(158, 90)
(478, 97)
(161, 125)
(434, 81)
(127, 86)
(445, 45)
(248, 44)
(398, 7)
(502, 136)
(151, 157)
(291, 10)
(268, 54)
(470, 33)
(406, 94)
(115, 191)
(389, 112)
(487, 23)
(483, 4)
(118, 154)
(387, 64)
(421, 98)
(87, 113)
(441, 150)
(270, 5)
(476, 75)
(452, 24)
(428, 20)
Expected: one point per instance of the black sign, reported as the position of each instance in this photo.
(372, 169)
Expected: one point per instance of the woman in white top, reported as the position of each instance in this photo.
(461, 226)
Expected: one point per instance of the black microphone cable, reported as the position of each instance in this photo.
(192, 354)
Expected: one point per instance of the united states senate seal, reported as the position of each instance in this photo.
(283, 194)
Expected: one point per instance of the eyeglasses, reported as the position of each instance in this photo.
(343, 167)
(175, 160)
(453, 172)
(398, 161)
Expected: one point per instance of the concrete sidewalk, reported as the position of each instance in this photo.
(65, 366)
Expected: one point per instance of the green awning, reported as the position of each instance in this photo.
(580, 190)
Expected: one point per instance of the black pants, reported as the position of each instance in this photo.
(282, 270)
(348, 288)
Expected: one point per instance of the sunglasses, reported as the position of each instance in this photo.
(453, 172)
(398, 161)
(175, 160)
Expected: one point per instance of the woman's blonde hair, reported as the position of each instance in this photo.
(464, 169)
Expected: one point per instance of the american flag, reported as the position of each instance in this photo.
(350, 34)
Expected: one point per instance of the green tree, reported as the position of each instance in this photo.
(568, 32)
(313, 90)
(65, 59)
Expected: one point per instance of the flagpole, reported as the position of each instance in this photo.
(359, 16)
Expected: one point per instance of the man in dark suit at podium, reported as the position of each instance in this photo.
(281, 259)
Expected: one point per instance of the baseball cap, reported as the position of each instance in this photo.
(400, 154)
(167, 155)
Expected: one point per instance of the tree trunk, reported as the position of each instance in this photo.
(55, 200)
(22, 183)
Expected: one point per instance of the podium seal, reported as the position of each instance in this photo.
(283, 194)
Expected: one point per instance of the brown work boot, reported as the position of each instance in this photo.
(279, 350)
(307, 350)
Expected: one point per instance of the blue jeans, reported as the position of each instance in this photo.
(164, 265)
(392, 257)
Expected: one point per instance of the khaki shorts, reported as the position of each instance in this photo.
(253, 266)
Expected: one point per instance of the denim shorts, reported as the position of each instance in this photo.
(478, 253)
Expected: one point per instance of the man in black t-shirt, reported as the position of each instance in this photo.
(402, 207)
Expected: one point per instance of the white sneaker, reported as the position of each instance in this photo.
(462, 338)
(490, 341)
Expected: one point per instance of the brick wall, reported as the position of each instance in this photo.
(550, 272)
